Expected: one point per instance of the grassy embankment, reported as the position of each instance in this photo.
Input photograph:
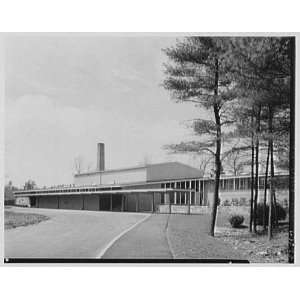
(15, 219)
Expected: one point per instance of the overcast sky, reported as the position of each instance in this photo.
(66, 93)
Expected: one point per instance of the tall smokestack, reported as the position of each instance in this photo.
(100, 157)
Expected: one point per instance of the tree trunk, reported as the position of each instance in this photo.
(292, 154)
(256, 169)
(252, 175)
(217, 155)
(270, 227)
(275, 209)
(273, 194)
(265, 190)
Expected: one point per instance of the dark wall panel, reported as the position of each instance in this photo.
(47, 202)
(91, 202)
(105, 202)
(131, 202)
(145, 201)
(71, 202)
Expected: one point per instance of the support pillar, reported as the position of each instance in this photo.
(199, 191)
(136, 202)
(190, 186)
(110, 202)
(167, 200)
(185, 193)
(203, 194)
(180, 196)
(153, 204)
(122, 203)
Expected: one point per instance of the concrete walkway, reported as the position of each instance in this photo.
(148, 240)
(68, 233)
(171, 236)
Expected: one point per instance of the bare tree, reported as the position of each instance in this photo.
(30, 185)
(78, 164)
(89, 166)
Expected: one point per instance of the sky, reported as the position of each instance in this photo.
(66, 93)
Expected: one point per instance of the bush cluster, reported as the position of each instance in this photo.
(236, 220)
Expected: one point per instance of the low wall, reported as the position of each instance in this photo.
(179, 209)
(163, 209)
(22, 201)
(198, 210)
(182, 209)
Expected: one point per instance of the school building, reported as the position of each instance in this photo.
(170, 187)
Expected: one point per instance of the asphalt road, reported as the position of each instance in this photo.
(68, 233)
(115, 235)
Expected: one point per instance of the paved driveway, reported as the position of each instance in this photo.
(68, 233)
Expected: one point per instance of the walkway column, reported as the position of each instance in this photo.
(153, 204)
(180, 193)
(167, 200)
(122, 203)
(189, 205)
(136, 202)
(175, 194)
(203, 193)
(199, 191)
(190, 186)
(185, 192)
(110, 202)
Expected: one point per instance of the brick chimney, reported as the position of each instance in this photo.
(100, 157)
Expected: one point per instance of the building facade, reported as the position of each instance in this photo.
(170, 187)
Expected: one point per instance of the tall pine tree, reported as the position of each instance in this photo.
(197, 73)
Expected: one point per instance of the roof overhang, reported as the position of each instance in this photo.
(129, 191)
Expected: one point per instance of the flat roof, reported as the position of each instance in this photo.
(112, 187)
(99, 192)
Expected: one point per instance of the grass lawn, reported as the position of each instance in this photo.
(13, 219)
(257, 247)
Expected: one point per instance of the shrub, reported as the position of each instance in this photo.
(281, 213)
(236, 221)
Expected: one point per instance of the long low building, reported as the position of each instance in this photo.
(170, 187)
